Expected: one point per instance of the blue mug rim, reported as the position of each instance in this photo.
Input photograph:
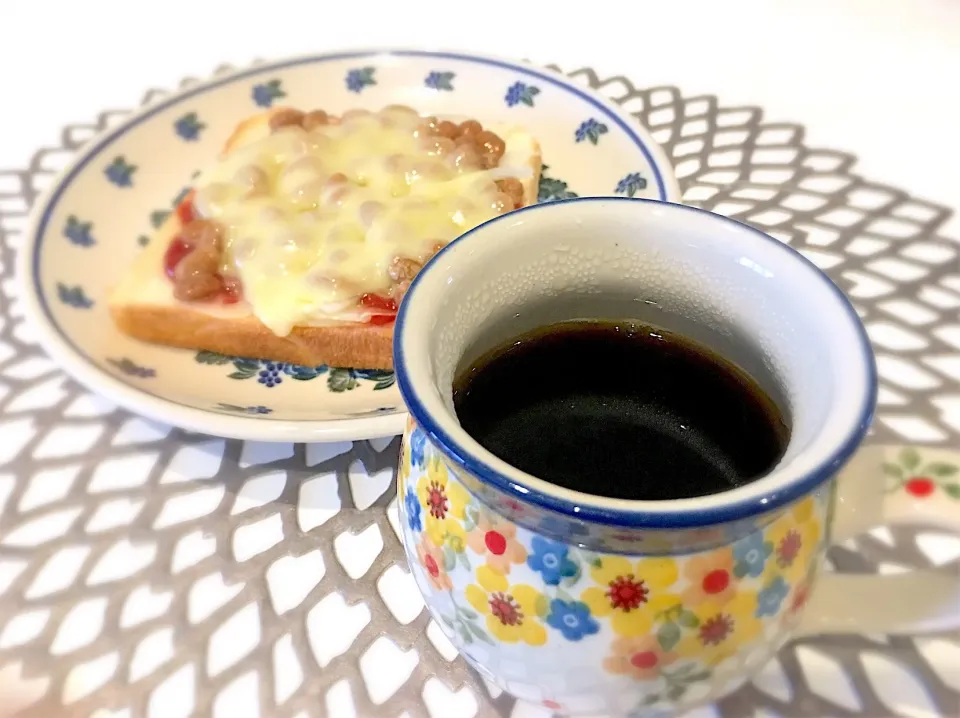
(669, 517)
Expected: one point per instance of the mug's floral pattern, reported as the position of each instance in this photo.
(659, 622)
(921, 478)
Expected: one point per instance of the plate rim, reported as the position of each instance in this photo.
(77, 364)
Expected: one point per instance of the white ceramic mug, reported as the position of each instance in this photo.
(591, 605)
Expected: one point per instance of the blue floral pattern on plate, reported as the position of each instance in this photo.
(254, 410)
(73, 296)
(266, 93)
(79, 232)
(359, 78)
(131, 368)
(189, 126)
(120, 172)
(631, 184)
(590, 130)
(551, 188)
(85, 238)
(521, 94)
(440, 80)
(271, 373)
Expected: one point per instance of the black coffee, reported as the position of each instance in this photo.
(622, 410)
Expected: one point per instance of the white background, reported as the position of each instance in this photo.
(879, 78)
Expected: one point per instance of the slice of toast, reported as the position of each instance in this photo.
(143, 303)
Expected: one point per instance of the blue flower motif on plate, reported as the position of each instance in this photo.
(750, 555)
(771, 596)
(120, 172)
(550, 189)
(359, 78)
(550, 560)
(411, 504)
(270, 373)
(572, 619)
(255, 410)
(521, 94)
(189, 126)
(79, 232)
(440, 80)
(631, 184)
(590, 130)
(73, 296)
(131, 368)
(418, 444)
(266, 93)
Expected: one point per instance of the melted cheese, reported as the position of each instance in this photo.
(314, 219)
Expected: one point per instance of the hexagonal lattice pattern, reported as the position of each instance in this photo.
(145, 571)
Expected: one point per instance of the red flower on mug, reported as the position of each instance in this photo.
(715, 630)
(437, 503)
(788, 548)
(920, 486)
(711, 578)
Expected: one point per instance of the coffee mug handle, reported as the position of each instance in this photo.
(888, 486)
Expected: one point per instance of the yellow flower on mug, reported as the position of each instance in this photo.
(511, 611)
(793, 546)
(430, 557)
(497, 541)
(641, 658)
(444, 501)
(722, 630)
(711, 578)
(803, 510)
(403, 473)
(625, 589)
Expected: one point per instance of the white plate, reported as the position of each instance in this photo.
(85, 232)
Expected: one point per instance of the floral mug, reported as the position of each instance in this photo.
(590, 605)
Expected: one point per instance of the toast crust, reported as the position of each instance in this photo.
(190, 326)
(360, 345)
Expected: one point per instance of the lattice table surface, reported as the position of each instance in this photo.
(146, 571)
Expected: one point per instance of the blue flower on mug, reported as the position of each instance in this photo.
(411, 504)
(771, 596)
(418, 444)
(572, 619)
(751, 554)
(550, 560)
